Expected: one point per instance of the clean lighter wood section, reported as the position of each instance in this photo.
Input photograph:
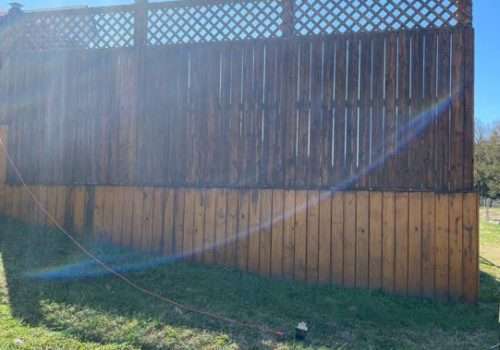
(415, 244)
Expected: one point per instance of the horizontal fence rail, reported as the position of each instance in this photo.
(382, 111)
(183, 22)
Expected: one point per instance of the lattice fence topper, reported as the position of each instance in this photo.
(219, 22)
(88, 29)
(340, 16)
(197, 21)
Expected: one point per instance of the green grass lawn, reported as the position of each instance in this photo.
(104, 313)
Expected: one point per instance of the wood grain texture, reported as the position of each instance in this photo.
(389, 244)
(215, 227)
(455, 246)
(441, 247)
(349, 247)
(415, 244)
(277, 232)
(300, 253)
(428, 243)
(289, 234)
(325, 237)
(471, 247)
(312, 258)
(265, 233)
(3, 154)
(315, 113)
(421, 244)
(337, 259)
(401, 242)
(376, 241)
(231, 251)
(362, 239)
(243, 229)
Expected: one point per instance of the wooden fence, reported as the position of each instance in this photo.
(308, 113)
(344, 123)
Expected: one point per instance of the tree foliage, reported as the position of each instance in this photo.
(487, 160)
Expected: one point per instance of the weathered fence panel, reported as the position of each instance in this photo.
(316, 113)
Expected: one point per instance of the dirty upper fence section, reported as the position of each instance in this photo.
(245, 94)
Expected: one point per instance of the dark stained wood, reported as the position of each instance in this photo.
(327, 116)
(457, 122)
(468, 151)
(340, 112)
(377, 111)
(303, 112)
(390, 125)
(315, 117)
(430, 113)
(402, 114)
(416, 119)
(443, 122)
(289, 101)
(316, 114)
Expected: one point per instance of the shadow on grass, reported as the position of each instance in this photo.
(106, 310)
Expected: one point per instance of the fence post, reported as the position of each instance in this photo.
(7, 29)
(16, 9)
(464, 13)
(141, 23)
(288, 24)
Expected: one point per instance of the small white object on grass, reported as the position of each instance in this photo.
(301, 331)
(302, 326)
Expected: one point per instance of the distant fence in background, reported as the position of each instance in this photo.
(490, 203)
(270, 104)
(490, 209)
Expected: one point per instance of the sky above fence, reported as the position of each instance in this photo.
(487, 49)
